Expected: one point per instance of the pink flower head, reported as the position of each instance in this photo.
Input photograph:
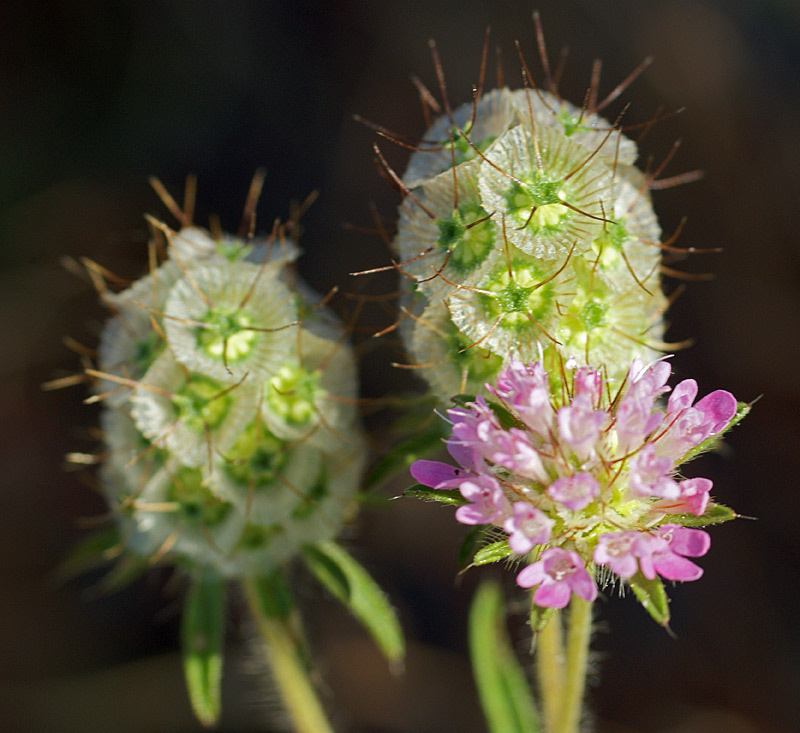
(580, 461)
(574, 492)
(558, 575)
(681, 542)
(488, 501)
(527, 527)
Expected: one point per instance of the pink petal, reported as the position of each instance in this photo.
(647, 567)
(690, 542)
(471, 514)
(682, 396)
(520, 543)
(531, 575)
(583, 585)
(552, 595)
(718, 406)
(463, 454)
(673, 567)
(433, 473)
(625, 566)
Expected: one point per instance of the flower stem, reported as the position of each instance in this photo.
(577, 655)
(550, 669)
(288, 668)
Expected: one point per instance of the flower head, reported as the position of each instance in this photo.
(581, 473)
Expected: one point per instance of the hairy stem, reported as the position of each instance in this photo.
(288, 668)
(550, 669)
(577, 655)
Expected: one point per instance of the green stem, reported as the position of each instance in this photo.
(550, 669)
(578, 637)
(288, 668)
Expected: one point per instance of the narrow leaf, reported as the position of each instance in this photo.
(462, 400)
(502, 686)
(356, 589)
(443, 496)
(714, 514)
(91, 552)
(418, 445)
(651, 594)
(506, 419)
(492, 553)
(127, 569)
(273, 595)
(201, 641)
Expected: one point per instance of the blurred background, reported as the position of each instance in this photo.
(94, 97)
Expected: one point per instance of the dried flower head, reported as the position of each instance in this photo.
(526, 222)
(232, 439)
(232, 444)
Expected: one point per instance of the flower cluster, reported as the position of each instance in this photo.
(583, 476)
(527, 232)
(230, 427)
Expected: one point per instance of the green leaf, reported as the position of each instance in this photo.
(356, 589)
(714, 514)
(742, 408)
(651, 594)
(462, 400)
(273, 595)
(506, 419)
(127, 569)
(201, 642)
(418, 445)
(452, 497)
(91, 552)
(492, 553)
(502, 686)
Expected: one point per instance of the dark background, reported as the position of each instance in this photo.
(96, 96)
